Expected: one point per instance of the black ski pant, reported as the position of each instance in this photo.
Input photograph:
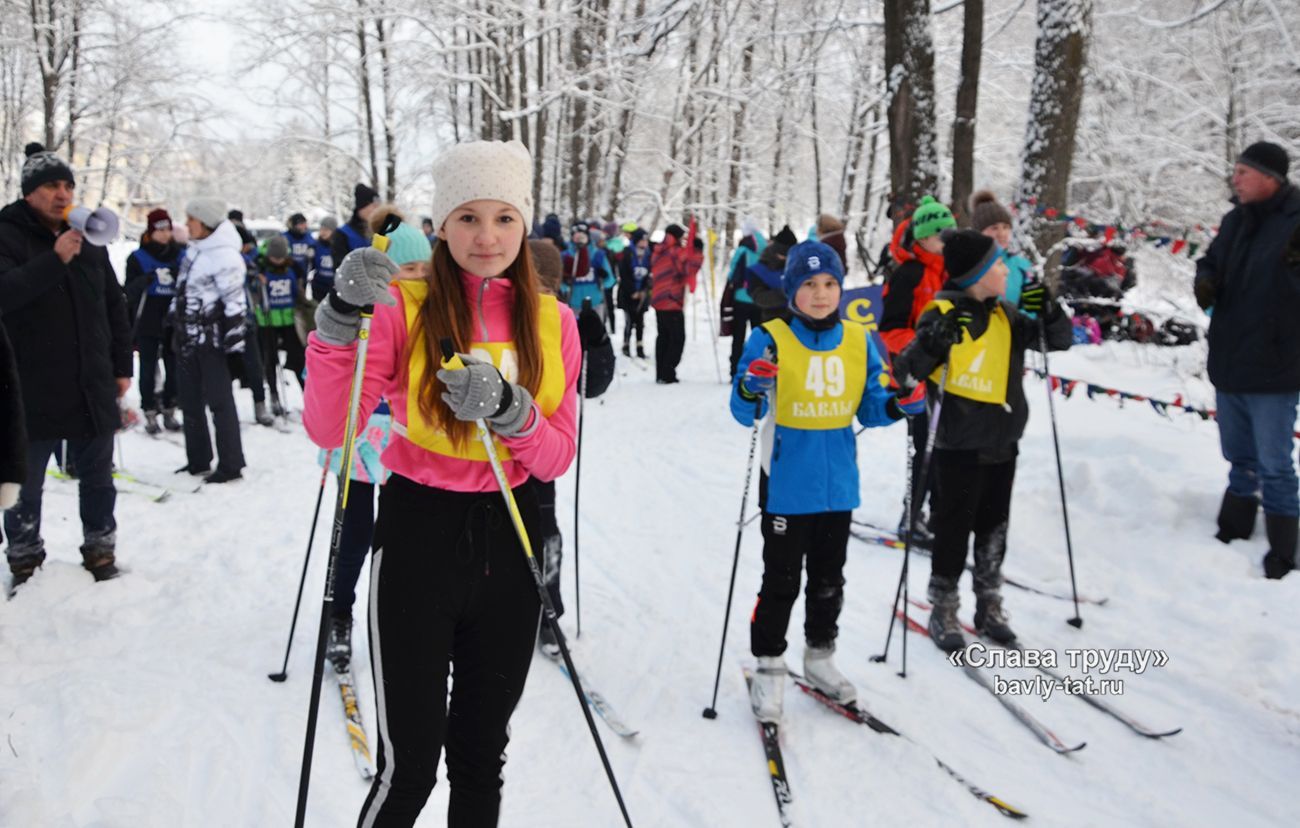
(354, 543)
(552, 547)
(273, 341)
(633, 319)
(970, 497)
(669, 343)
(919, 428)
(204, 383)
(151, 348)
(450, 594)
(787, 540)
(252, 356)
(745, 316)
(93, 458)
(609, 310)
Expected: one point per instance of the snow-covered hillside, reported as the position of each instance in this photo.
(144, 701)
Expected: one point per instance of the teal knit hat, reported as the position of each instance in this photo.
(407, 244)
(931, 218)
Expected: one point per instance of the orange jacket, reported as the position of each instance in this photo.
(909, 289)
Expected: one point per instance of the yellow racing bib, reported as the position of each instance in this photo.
(977, 368)
(819, 390)
(501, 354)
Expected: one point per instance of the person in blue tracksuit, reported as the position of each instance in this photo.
(151, 273)
(745, 315)
(322, 277)
(586, 272)
(302, 245)
(816, 375)
(634, 291)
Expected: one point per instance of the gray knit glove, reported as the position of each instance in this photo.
(478, 391)
(362, 279)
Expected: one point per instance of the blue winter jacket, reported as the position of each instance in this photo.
(744, 258)
(812, 471)
(324, 275)
(1020, 271)
(302, 249)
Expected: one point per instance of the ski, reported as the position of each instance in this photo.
(775, 764)
(356, 729)
(161, 495)
(1129, 722)
(1044, 734)
(598, 703)
(849, 711)
(120, 474)
(868, 533)
(856, 714)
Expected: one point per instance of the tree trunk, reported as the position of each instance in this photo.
(72, 84)
(1060, 57)
(963, 124)
(364, 63)
(539, 141)
(737, 135)
(580, 53)
(909, 69)
(386, 88)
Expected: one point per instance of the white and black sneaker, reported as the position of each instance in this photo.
(820, 670)
(767, 689)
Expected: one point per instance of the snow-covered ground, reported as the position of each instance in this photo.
(144, 701)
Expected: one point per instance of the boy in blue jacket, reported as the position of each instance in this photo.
(818, 373)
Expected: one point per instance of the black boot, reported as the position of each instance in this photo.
(991, 620)
(1281, 531)
(1236, 517)
(339, 648)
(99, 559)
(945, 630)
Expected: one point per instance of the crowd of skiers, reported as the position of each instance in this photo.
(475, 344)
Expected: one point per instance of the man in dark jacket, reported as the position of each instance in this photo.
(356, 233)
(1249, 280)
(151, 273)
(66, 316)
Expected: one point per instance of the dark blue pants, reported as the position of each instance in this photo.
(152, 347)
(1257, 434)
(93, 459)
(354, 543)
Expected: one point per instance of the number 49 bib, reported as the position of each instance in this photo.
(819, 390)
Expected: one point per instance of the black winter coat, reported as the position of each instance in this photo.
(148, 314)
(13, 429)
(1254, 266)
(988, 430)
(69, 329)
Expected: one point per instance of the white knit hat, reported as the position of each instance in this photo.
(496, 170)
(209, 210)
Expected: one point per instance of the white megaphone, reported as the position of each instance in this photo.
(99, 227)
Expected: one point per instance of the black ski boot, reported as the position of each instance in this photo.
(1236, 517)
(24, 569)
(546, 641)
(169, 419)
(923, 538)
(1281, 531)
(640, 351)
(151, 423)
(627, 351)
(98, 557)
(945, 630)
(339, 648)
(223, 476)
(991, 619)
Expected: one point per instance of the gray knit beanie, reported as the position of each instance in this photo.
(495, 170)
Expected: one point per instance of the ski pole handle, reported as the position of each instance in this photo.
(450, 359)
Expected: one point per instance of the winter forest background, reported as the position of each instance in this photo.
(649, 109)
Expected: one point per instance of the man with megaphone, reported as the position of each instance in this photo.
(66, 316)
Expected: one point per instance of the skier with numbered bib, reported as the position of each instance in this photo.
(449, 581)
(818, 374)
(973, 341)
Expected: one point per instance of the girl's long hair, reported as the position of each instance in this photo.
(446, 312)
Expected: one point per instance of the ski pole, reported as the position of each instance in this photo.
(320, 495)
(914, 498)
(451, 360)
(711, 712)
(336, 536)
(1077, 620)
(577, 482)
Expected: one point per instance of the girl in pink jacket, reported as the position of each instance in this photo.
(449, 582)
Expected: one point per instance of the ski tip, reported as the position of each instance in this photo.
(1005, 809)
(1161, 734)
(1064, 749)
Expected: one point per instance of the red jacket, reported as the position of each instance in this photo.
(910, 288)
(672, 270)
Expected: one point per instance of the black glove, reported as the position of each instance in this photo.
(1206, 293)
(1034, 297)
(939, 335)
(232, 334)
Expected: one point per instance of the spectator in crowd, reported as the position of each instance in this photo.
(1248, 279)
(151, 273)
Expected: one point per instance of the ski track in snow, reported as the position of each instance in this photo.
(144, 701)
